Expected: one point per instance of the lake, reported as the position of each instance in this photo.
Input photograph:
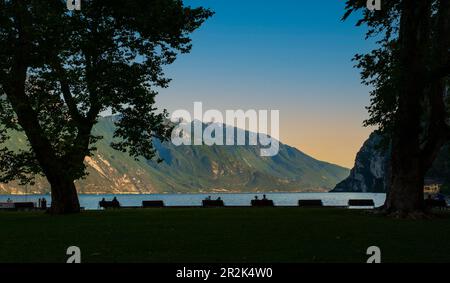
(90, 202)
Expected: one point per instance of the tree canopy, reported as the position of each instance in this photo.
(409, 73)
(60, 69)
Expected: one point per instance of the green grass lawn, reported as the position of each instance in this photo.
(222, 235)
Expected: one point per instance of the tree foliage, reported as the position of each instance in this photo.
(60, 69)
(381, 69)
(409, 72)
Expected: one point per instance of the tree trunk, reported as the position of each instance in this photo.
(405, 195)
(64, 195)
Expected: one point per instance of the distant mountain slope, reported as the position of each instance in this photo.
(194, 169)
(371, 170)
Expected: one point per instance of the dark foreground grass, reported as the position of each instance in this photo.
(222, 235)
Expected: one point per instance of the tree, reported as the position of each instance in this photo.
(60, 69)
(409, 72)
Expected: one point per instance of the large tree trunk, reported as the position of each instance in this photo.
(64, 195)
(55, 168)
(407, 166)
(405, 195)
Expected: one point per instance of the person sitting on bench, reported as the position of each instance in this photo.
(44, 204)
(109, 204)
(213, 203)
(263, 202)
(115, 202)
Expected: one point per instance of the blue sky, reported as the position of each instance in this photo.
(289, 55)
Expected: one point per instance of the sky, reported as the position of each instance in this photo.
(288, 55)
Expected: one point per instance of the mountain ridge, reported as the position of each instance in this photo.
(194, 169)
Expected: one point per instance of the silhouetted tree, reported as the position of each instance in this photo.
(60, 69)
(409, 72)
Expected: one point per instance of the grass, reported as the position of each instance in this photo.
(222, 235)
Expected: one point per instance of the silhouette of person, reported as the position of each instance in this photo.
(256, 197)
(115, 200)
(44, 203)
(264, 197)
(219, 198)
(102, 202)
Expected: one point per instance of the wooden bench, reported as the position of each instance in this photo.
(310, 203)
(213, 203)
(361, 203)
(262, 203)
(152, 204)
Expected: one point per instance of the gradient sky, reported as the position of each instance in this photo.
(288, 55)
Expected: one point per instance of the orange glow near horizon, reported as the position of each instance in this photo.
(331, 139)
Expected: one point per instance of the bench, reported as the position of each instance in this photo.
(24, 205)
(6, 205)
(310, 203)
(213, 203)
(262, 203)
(109, 204)
(152, 203)
(361, 203)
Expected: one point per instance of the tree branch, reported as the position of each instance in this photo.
(81, 146)
(438, 131)
(15, 92)
(65, 88)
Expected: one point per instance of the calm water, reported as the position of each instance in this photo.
(282, 199)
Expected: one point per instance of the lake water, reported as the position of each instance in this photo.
(90, 202)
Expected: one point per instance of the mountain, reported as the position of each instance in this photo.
(195, 169)
(369, 173)
(371, 170)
